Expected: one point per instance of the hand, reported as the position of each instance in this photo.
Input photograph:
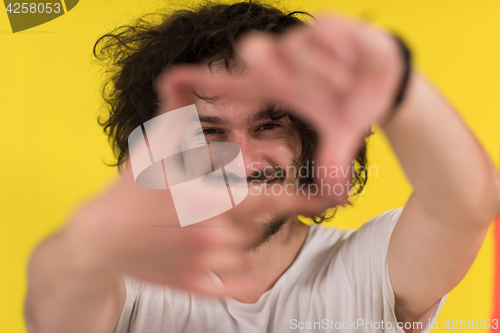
(339, 76)
(136, 231)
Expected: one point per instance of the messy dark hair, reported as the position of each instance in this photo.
(135, 55)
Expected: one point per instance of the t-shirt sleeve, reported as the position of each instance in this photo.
(148, 308)
(364, 257)
(134, 289)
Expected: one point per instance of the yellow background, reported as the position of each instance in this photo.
(52, 149)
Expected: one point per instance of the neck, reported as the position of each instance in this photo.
(268, 262)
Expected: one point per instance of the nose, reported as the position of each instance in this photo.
(253, 152)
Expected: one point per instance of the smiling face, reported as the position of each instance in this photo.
(269, 143)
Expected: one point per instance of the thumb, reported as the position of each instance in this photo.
(175, 87)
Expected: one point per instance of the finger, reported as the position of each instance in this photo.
(202, 284)
(228, 262)
(335, 33)
(272, 74)
(175, 86)
(278, 77)
(309, 53)
(224, 235)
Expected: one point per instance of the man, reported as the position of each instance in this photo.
(287, 94)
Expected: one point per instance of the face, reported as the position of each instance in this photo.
(269, 146)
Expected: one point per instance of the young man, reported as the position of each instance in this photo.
(256, 268)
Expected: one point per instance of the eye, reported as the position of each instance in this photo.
(211, 131)
(268, 126)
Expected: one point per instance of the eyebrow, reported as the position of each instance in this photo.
(213, 120)
(267, 113)
(261, 115)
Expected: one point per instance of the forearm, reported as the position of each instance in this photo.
(66, 297)
(451, 173)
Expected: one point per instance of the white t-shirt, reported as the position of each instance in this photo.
(339, 282)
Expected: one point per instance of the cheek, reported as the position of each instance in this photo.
(284, 151)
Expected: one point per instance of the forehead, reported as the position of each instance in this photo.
(211, 104)
(215, 108)
(228, 110)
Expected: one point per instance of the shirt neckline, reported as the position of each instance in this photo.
(234, 303)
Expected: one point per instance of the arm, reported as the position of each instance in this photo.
(65, 296)
(456, 196)
(341, 77)
(350, 73)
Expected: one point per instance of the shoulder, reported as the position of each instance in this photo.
(363, 258)
(360, 256)
(373, 234)
(377, 231)
(371, 241)
(352, 249)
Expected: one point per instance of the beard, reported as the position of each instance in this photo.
(268, 229)
(270, 226)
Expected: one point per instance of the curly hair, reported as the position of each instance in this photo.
(135, 55)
